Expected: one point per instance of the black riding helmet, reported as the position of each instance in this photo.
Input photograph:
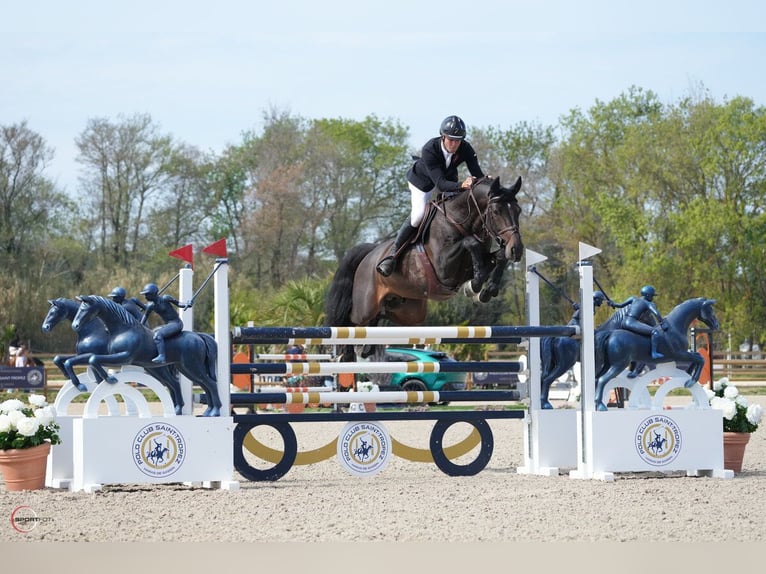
(453, 127)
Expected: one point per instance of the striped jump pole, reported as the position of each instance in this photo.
(375, 367)
(335, 397)
(395, 335)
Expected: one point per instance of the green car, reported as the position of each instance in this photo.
(424, 381)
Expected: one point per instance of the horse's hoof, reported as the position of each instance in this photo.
(545, 405)
(111, 379)
(80, 387)
(179, 410)
(485, 296)
(601, 406)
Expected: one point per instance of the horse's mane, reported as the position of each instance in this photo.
(116, 309)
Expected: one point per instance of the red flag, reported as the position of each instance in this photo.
(185, 253)
(217, 248)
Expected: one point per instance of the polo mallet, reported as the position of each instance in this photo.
(555, 287)
(205, 282)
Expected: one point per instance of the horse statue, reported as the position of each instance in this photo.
(616, 349)
(92, 338)
(458, 245)
(131, 343)
(559, 354)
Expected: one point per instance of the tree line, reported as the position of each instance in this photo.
(672, 193)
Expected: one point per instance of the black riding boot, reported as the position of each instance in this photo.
(160, 358)
(387, 265)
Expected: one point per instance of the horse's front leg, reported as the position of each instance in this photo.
(492, 286)
(479, 263)
(96, 363)
(67, 367)
(695, 368)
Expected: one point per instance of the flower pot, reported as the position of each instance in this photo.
(24, 468)
(734, 444)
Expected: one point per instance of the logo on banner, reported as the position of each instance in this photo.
(364, 448)
(658, 440)
(159, 450)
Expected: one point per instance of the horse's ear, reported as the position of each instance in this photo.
(516, 186)
(711, 301)
(494, 187)
(79, 297)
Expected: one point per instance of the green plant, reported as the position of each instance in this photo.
(27, 425)
(738, 415)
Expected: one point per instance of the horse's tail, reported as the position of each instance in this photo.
(340, 294)
(211, 355)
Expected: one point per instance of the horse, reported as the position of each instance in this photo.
(559, 354)
(459, 245)
(92, 338)
(616, 349)
(131, 343)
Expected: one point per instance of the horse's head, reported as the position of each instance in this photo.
(707, 315)
(86, 312)
(501, 217)
(58, 311)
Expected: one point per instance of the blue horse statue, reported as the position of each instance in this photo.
(559, 354)
(616, 349)
(130, 343)
(92, 338)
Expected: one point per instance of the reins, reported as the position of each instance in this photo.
(513, 229)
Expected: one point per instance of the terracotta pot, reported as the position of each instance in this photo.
(24, 468)
(734, 444)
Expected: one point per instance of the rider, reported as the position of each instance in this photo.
(433, 172)
(131, 304)
(163, 306)
(637, 317)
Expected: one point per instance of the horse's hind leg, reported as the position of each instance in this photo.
(601, 382)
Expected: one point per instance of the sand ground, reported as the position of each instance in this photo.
(412, 502)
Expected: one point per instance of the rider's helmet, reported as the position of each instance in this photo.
(118, 294)
(150, 289)
(598, 298)
(453, 127)
(648, 292)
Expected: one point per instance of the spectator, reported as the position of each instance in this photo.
(22, 356)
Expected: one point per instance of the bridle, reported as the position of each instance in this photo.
(486, 227)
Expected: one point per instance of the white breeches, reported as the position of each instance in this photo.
(418, 201)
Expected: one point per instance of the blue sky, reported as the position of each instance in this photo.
(207, 71)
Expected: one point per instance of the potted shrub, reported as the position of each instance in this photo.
(740, 418)
(27, 432)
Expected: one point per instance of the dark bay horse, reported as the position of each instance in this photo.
(460, 245)
(616, 349)
(130, 343)
(92, 338)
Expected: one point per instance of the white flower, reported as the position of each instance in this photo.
(11, 405)
(720, 383)
(37, 400)
(15, 417)
(45, 415)
(741, 400)
(28, 426)
(5, 423)
(728, 407)
(754, 414)
(730, 391)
